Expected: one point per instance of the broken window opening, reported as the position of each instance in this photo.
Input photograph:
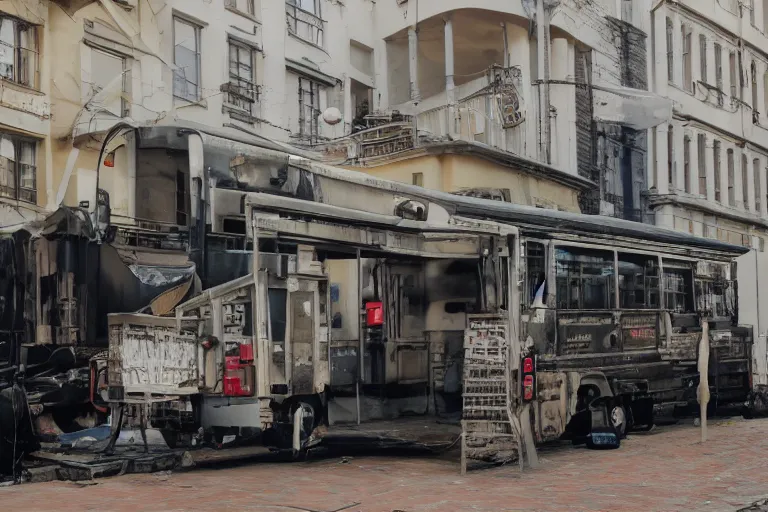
(18, 170)
(186, 57)
(715, 296)
(309, 109)
(638, 281)
(585, 278)
(678, 286)
(535, 273)
(19, 53)
(105, 67)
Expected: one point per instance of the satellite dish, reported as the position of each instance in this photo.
(332, 116)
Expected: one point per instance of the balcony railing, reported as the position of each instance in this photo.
(493, 113)
(305, 25)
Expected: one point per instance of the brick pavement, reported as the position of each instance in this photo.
(667, 470)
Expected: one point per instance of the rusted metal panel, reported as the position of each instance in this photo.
(148, 356)
(302, 340)
(552, 405)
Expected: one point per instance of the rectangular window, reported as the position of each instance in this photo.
(535, 273)
(670, 51)
(18, 171)
(765, 15)
(756, 172)
(417, 179)
(182, 197)
(703, 58)
(702, 150)
(246, 6)
(716, 152)
(671, 156)
(105, 68)
(687, 163)
(719, 71)
(752, 17)
(687, 71)
(19, 54)
(678, 286)
(304, 20)
(242, 91)
(744, 180)
(585, 278)
(638, 281)
(755, 109)
(186, 58)
(309, 108)
(731, 178)
(734, 77)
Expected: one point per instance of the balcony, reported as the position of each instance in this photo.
(490, 110)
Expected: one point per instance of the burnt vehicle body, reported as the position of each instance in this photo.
(629, 321)
(259, 245)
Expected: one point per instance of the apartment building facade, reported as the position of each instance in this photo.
(709, 163)
(25, 113)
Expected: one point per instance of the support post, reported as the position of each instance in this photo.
(450, 91)
(361, 340)
(413, 62)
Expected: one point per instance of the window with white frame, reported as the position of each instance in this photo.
(716, 146)
(701, 146)
(703, 58)
(305, 21)
(242, 91)
(19, 54)
(755, 110)
(731, 177)
(687, 163)
(18, 171)
(744, 180)
(108, 71)
(687, 67)
(718, 67)
(309, 108)
(756, 173)
(246, 6)
(186, 58)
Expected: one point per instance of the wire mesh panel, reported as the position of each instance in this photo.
(488, 434)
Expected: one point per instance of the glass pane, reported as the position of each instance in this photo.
(638, 281)
(186, 76)
(107, 72)
(584, 278)
(308, 5)
(7, 48)
(7, 167)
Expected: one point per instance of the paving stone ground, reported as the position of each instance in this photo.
(666, 470)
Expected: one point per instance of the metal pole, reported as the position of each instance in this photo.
(361, 341)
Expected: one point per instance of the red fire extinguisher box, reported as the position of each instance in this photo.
(374, 314)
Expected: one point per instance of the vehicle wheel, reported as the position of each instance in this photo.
(618, 417)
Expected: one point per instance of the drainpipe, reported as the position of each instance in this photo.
(542, 38)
